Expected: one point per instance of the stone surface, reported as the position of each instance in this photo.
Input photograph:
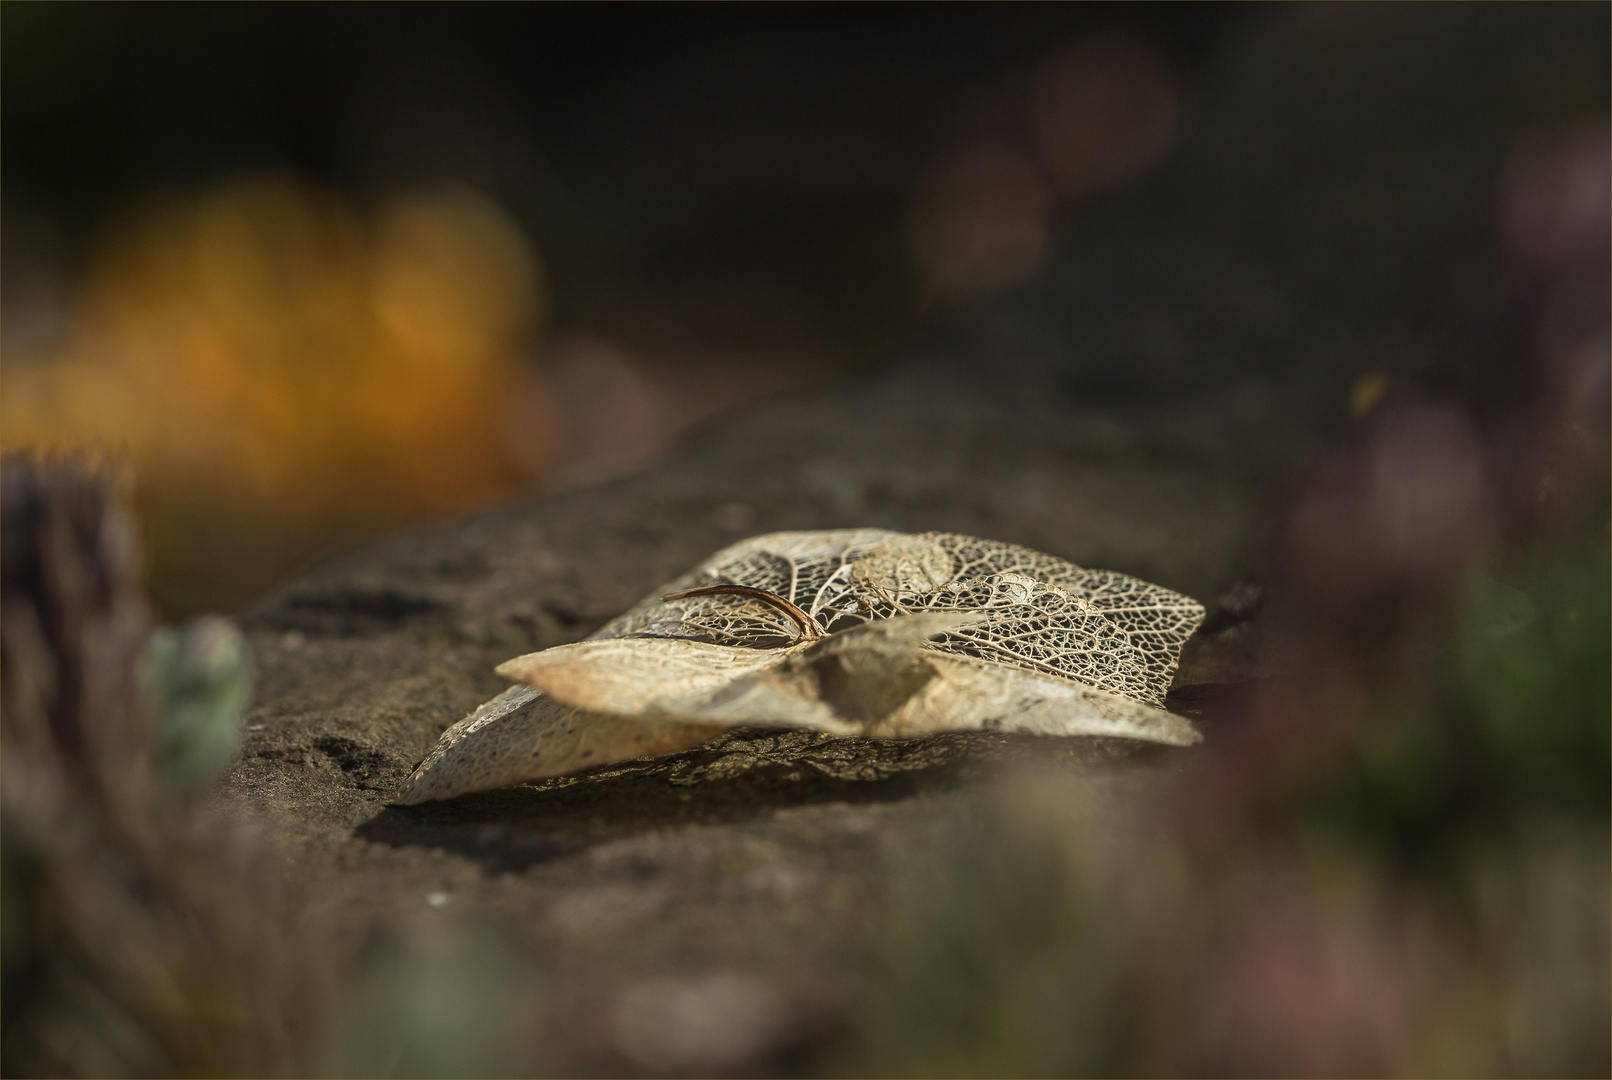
(762, 853)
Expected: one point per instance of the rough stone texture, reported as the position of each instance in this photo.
(760, 852)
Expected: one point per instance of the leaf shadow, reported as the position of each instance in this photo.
(737, 777)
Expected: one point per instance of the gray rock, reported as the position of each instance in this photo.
(760, 853)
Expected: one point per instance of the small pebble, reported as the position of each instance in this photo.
(437, 899)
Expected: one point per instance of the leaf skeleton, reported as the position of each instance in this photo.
(852, 632)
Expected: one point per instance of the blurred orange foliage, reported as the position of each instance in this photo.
(287, 375)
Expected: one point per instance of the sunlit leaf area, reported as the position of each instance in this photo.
(793, 540)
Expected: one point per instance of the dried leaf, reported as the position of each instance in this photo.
(849, 632)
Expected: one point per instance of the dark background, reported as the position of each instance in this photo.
(617, 134)
(724, 201)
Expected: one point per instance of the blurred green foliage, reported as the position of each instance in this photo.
(1508, 718)
(442, 998)
(1023, 944)
(196, 683)
(1535, 656)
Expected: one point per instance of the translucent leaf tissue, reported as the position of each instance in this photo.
(857, 632)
